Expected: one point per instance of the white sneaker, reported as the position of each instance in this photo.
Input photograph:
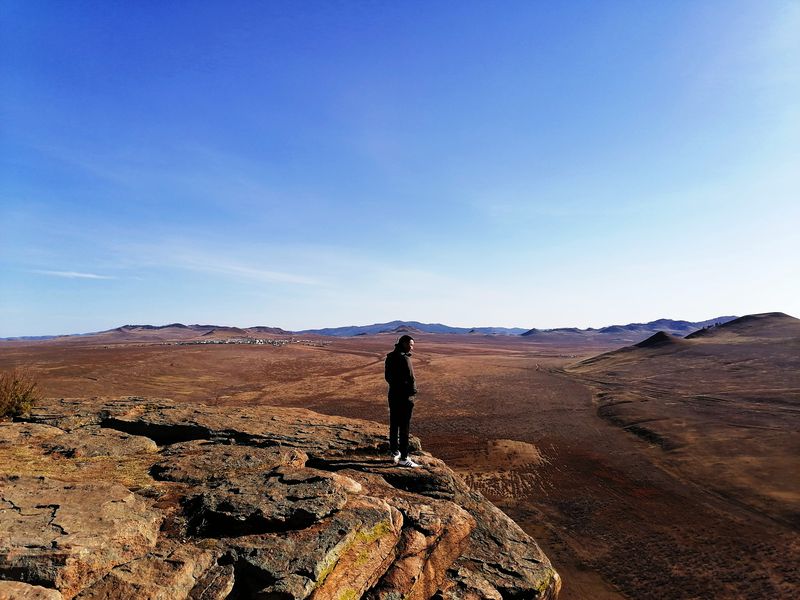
(396, 457)
(407, 462)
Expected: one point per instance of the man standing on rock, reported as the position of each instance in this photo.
(399, 375)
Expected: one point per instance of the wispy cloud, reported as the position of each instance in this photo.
(236, 260)
(237, 270)
(72, 274)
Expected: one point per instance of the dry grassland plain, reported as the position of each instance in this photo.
(660, 497)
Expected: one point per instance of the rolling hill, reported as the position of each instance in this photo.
(723, 404)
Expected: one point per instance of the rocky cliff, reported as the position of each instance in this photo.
(141, 498)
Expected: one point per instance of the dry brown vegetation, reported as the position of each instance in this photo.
(657, 475)
(18, 392)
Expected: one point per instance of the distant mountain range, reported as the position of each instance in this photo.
(673, 327)
(632, 331)
(410, 327)
(680, 328)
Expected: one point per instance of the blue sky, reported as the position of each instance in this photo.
(531, 164)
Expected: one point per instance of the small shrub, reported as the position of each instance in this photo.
(18, 392)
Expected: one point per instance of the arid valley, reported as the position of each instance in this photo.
(667, 469)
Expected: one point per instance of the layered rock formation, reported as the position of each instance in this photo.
(141, 498)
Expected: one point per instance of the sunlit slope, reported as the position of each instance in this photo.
(722, 405)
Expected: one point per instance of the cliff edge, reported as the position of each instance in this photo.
(144, 498)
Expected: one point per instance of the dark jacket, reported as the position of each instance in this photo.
(399, 374)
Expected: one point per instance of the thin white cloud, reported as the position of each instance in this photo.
(237, 260)
(72, 274)
(249, 273)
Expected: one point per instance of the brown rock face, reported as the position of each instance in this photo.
(16, 590)
(65, 535)
(170, 570)
(149, 499)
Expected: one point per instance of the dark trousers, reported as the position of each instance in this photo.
(399, 421)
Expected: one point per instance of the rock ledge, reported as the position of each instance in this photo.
(143, 498)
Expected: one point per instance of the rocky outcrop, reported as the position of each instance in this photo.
(142, 498)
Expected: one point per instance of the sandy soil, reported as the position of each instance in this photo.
(621, 514)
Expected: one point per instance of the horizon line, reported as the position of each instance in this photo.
(394, 321)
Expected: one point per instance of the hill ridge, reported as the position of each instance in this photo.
(746, 322)
(658, 339)
(675, 327)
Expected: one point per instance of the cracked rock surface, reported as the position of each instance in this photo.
(146, 498)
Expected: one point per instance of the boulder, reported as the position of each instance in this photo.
(346, 553)
(434, 535)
